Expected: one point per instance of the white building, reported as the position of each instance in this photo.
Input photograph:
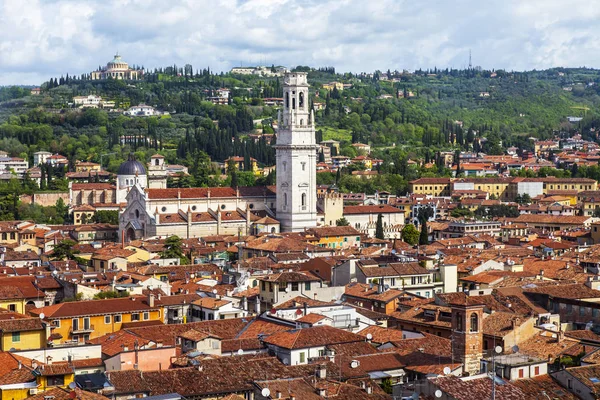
(40, 157)
(87, 101)
(141, 110)
(13, 165)
(296, 153)
(130, 174)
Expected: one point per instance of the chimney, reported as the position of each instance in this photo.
(380, 286)
(560, 336)
(292, 396)
(369, 389)
(322, 392)
(49, 360)
(321, 372)
(305, 308)
(257, 307)
(245, 303)
(277, 394)
(151, 299)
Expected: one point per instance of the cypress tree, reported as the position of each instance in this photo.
(379, 227)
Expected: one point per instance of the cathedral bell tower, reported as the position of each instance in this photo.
(296, 153)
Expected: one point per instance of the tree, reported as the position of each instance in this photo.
(461, 212)
(379, 227)
(173, 248)
(410, 234)
(342, 222)
(424, 235)
(233, 173)
(64, 250)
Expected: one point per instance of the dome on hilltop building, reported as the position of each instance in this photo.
(131, 167)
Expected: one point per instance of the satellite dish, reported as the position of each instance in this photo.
(286, 361)
(515, 349)
(42, 315)
(287, 289)
(215, 291)
(447, 370)
(72, 385)
(265, 392)
(240, 352)
(438, 393)
(498, 349)
(55, 272)
(369, 336)
(354, 364)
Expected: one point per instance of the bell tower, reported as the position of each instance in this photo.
(467, 333)
(296, 154)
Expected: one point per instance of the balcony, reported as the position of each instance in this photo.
(81, 329)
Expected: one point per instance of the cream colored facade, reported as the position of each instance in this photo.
(117, 69)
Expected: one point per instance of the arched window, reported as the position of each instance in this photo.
(156, 161)
(293, 103)
(285, 199)
(301, 122)
(303, 199)
(301, 100)
(474, 323)
(287, 100)
(459, 322)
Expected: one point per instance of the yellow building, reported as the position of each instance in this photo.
(83, 214)
(438, 187)
(77, 322)
(335, 237)
(240, 164)
(24, 377)
(331, 85)
(552, 184)
(21, 332)
(82, 166)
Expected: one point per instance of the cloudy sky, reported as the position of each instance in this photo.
(40, 39)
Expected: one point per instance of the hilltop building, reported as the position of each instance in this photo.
(117, 69)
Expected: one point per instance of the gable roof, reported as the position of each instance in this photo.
(311, 337)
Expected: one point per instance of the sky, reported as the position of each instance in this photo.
(40, 39)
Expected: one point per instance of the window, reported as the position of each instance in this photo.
(285, 200)
(569, 308)
(76, 338)
(16, 337)
(56, 323)
(263, 285)
(521, 373)
(117, 319)
(474, 323)
(303, 200)
(12, 307)
(307, 286)
(569, 384)
(282, 286)
(146, 316)
(459, 322)
(393, 282)
(58, 380)
(301, 100)
(135, 316)
(536, 371)
(302, 357)
(581, 311)
(303, 164)
(75, 324)
(294, 286)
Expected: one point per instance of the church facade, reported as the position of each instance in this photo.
(155, 210)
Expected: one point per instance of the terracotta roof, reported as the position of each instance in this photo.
(311, 337)
(379, 209)
(285, 277)
(191, 193)
(366, 291)
(574, 291)
(476, 389)
(299, 301)
(534, 386)
(381, 335)
(327, 231)
(211, 303)
(95, 307)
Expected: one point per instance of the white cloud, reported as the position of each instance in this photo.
(40, 39)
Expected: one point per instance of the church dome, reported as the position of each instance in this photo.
(131, 167)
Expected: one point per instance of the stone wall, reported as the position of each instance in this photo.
(45, 199)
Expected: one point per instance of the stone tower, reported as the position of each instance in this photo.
(467, 334)
(296, 153)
